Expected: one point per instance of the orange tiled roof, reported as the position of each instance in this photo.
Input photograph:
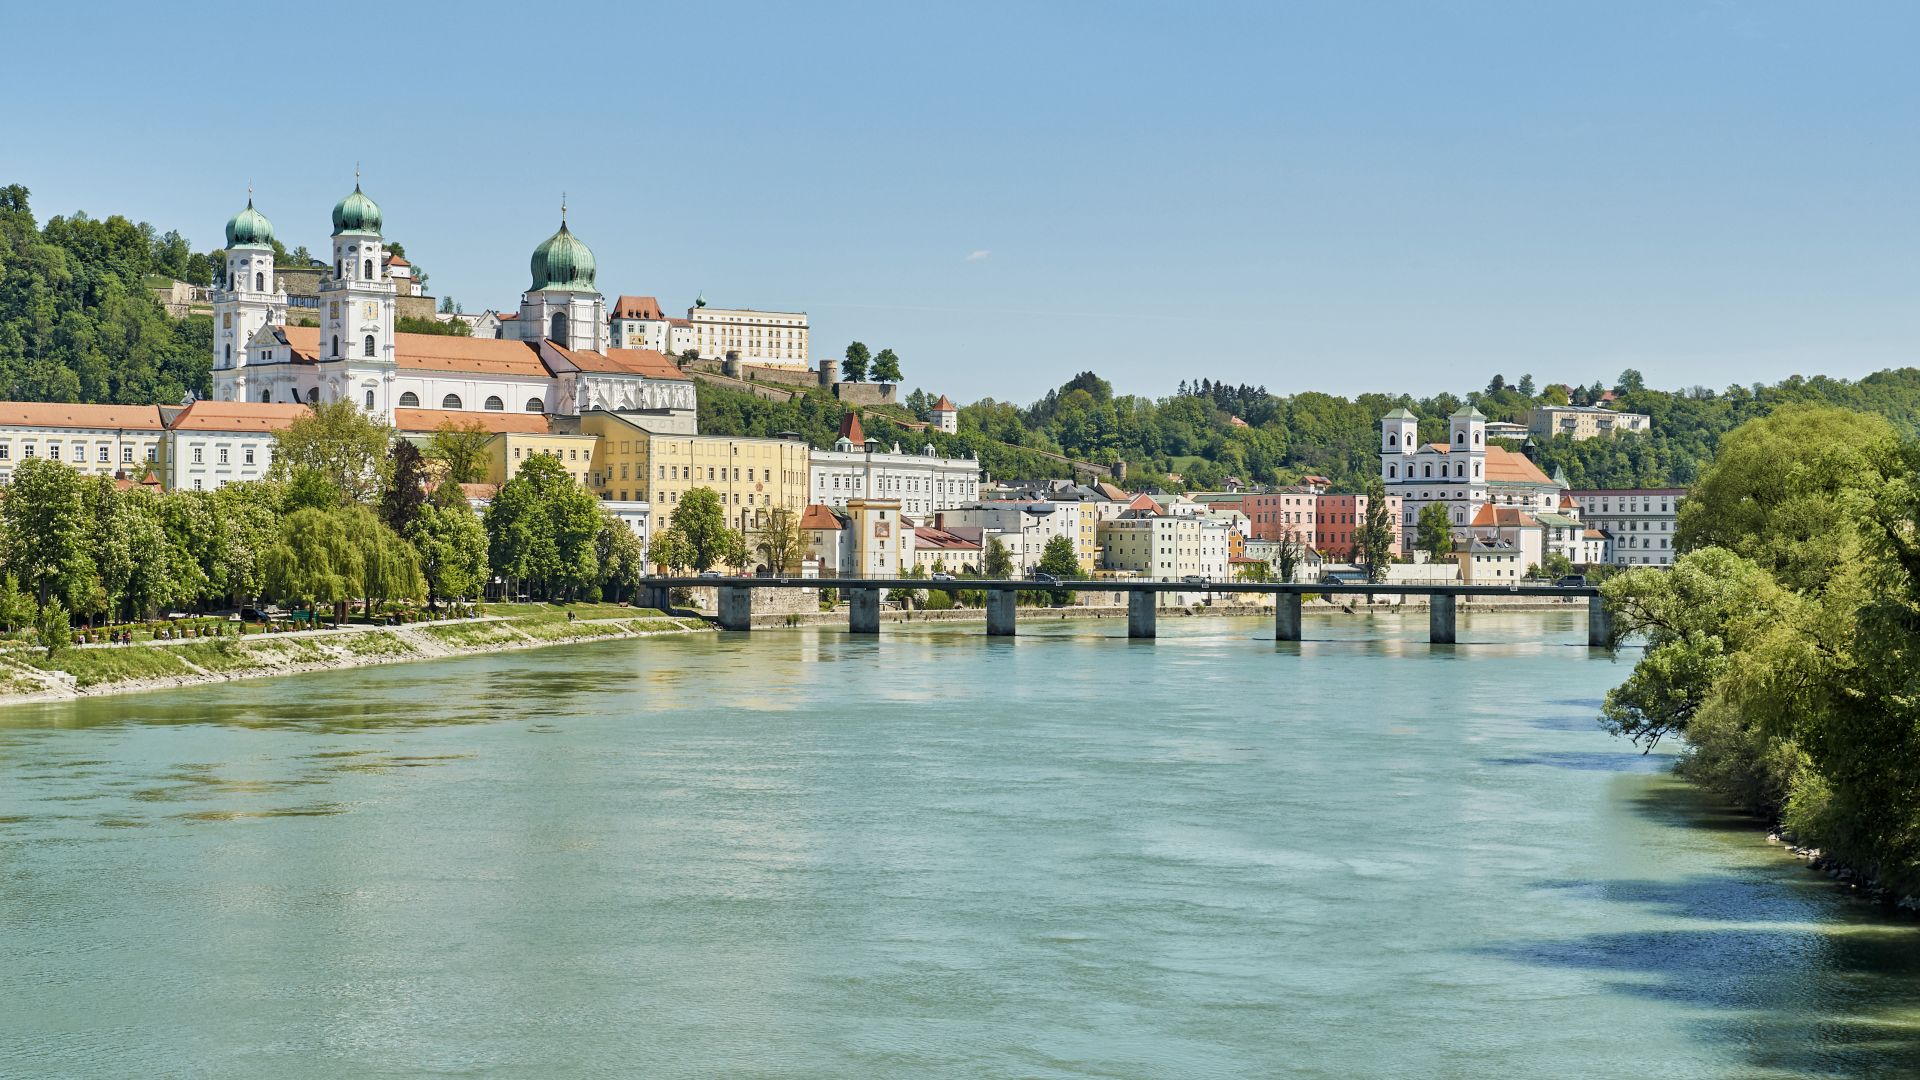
(238, 416)
(47, 414)
(928, 537)
(1508, 465)
(519, 423)
(1490, 516)
(819, 516)
(943, 405)
(444, 352)
(636, 307)
(850, 428)
(643, 362)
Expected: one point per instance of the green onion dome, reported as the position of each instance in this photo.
(249, 228)
(356, 214)
(563, 262)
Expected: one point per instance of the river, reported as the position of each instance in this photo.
(802, 854)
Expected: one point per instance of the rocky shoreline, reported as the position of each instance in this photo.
(267, 656)
(1853, 880)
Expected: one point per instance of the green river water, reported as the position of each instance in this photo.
(802, 854)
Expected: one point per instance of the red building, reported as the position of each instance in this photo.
(1338, 521)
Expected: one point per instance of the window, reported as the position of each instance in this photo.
(104, 458)
(369, 401)
(53, 451)
(223, 455)
(558, 331)
(29, 450)
(494, 404)
(247, 455)
(368, 346)
(313, 395)
(266, 397)
(259, 283)
(229, 354)
(6, 451)
(153, 453)
(336, 345)
(196, 483)
(409, 400)
(126, 454)
(451, 401)
(368, 271)
(534, 404)
(197, 455)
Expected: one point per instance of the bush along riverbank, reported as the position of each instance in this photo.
(1783, 647)
(28, 673)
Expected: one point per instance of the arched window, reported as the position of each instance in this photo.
(451, 401)
(339, 268)
(368, 272)
(494, 404)
(259, 283)
(1392, 440)
(266, 397)
(1476, 438)
(409, 400)
(1460, 438)
(313, 395)
(336, 344)
(229, 353)
(368, 345)
(369, 401)
(1393, 471)
(1429, 471)
(559, 327)
(534, 404)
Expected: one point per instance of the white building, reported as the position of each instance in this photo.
(210, 444)
(1022, 527)
(1638, 523)
(945, 416)
(1463, 474)
(639, 324)
(98, 440)
(857, 468)
(1166, 548)
(551, 357)
(770, 338)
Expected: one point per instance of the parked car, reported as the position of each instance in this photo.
(1571, 581)
(1045, 579)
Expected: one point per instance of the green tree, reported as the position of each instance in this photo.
(53, 626)
(621, 557)
(541, 528)
(854, 369)
(453, 550)
(314, 562)
(1059, 559)
(461, 452)
(342, 443)
(1373, 540)
(669, 549)
(49, 531)
(996, 562)
(1288, 553)
(886, 367)
(406, 490)
(1435, 533)
(702, 525)
(779, 543)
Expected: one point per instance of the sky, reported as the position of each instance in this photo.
(1334, 196)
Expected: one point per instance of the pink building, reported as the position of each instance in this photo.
(1275, 515)
(1338, 519)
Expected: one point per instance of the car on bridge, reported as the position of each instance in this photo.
(1571, 581)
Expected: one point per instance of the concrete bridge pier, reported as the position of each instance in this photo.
(1286, 617)
(736, 607)
(863, 611)
(1000, 607)
(1141, 614)
(657, 597)
(1599, 624)
(1440, 619)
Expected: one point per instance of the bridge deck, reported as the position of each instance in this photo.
(1567, 592)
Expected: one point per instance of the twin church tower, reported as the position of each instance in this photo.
(355, 358)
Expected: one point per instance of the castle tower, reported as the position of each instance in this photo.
(357, 308)
(252, 298)
(563, 305)
(945, 417)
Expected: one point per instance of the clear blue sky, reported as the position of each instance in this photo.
(1331, 196)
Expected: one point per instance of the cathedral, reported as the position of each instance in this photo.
(554, 359)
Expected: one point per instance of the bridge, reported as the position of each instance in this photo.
(863, 610)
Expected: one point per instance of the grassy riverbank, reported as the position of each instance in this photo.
(29, 674)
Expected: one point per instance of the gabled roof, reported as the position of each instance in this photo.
(1143, 502)
(636, 307)
(645, 363)
(850, 428)
(1490, 516)
(238, 416)
(519, 423)
(442, 352)
(819, 516)
(943, 405)
(47, 414)
(1505, 464)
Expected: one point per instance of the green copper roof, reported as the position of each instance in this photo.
(563, 262)
(1400, 414)
(1467, 412)
(356, 214)
(700, 301)
(249, 228)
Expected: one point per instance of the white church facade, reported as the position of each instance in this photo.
(558, 364)
(1464, 474)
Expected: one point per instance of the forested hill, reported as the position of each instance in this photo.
(77, 322)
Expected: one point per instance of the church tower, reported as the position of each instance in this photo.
(563, 305)
(357, 308)
(1399, 440)
(250, 299)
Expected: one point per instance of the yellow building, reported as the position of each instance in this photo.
(98, 440)
(516, 437)
(751, 476)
